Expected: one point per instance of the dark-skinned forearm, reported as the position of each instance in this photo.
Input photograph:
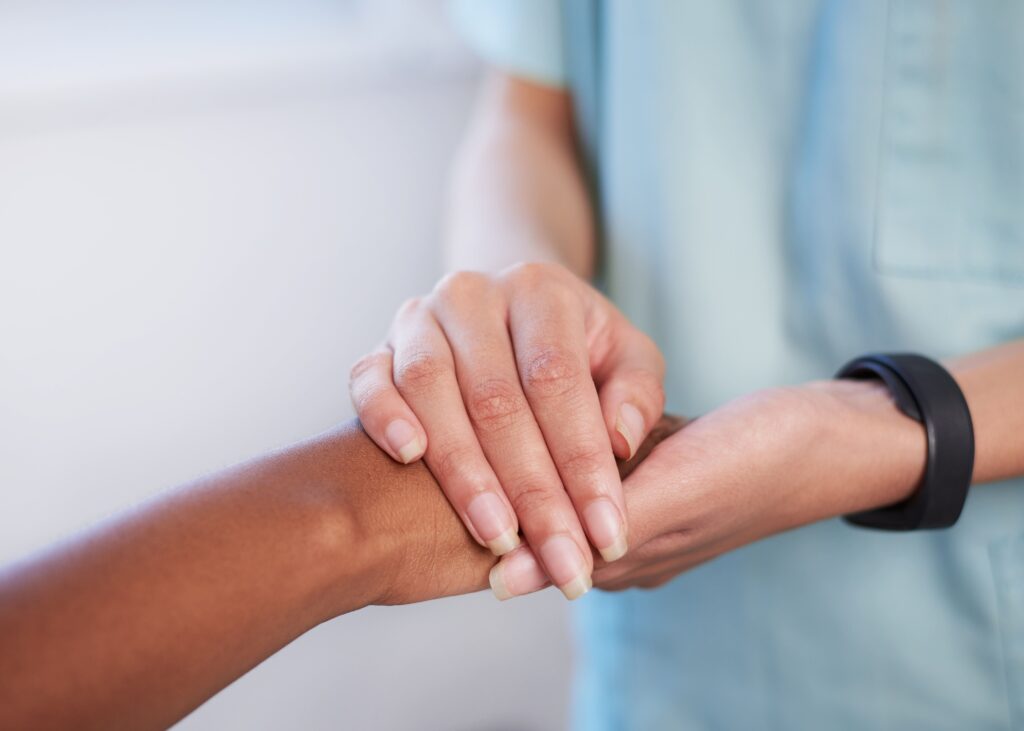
(141, 619)
(135, 623)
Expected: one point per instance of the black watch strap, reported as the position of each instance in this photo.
(926, 392)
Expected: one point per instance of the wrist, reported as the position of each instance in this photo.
(347, 548)
(351, 572)
(391, 533)
(344, 568)
(877, 453)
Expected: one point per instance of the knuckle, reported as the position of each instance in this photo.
(419, 372)
(366, 399)
(646, 344)
(495, 403)
(659, 396)
(659, 360)
(565, 299)
(673, 542)
(367, 365)
(552, 371)
(544, 284)
(461, 287)
(455, 466)
(649, 383)
(582, 462)
(409, 306)
(531, 499)
(527, 271)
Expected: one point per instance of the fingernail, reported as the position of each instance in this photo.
(566, 566)
(404, 440)
(517, 574)
(630, 424)
(493, 521)
(606, 529)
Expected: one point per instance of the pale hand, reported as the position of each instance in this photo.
(519, 389)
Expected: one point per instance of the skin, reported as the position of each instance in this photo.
(519, 384)
(518, 195)
(786, 457)
(520, 379)
(136, 622)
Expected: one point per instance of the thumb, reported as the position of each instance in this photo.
(630, 381)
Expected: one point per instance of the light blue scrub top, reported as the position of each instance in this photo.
(784, 185)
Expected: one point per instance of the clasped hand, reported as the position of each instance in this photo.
(520, 390)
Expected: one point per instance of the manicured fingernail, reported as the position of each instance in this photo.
(517, 574)
(630, 424)
(507, 541)
(606, 529)
(404, 440)
(493, 521)
(566, 566)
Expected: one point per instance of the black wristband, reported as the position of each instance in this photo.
(924, 391)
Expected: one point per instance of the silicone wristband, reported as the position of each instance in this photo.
(926, 392)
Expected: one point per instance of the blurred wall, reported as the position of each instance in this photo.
(207, 212)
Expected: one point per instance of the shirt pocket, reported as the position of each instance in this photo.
(1007, 557)
(951, 166)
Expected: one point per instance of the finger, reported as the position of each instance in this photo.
(516, 574)
(385, 416)
(630, 379)
(549, 338)
(663, 546)
(631, 572)
(650, 576)
(424, 374)
(666, 520)
(654, 581)
(509, 435)
(649, 566)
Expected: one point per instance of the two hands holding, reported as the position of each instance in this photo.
(519, 391)
(538, 410)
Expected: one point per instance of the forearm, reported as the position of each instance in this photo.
(139, 621)
(993, 384)
(517, 191)
(786, 457)
(868, 454)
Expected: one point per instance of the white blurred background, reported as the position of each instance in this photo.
(207, 212)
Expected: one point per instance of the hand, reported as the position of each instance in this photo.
(519, 390)
(764, 464)
(408, 541)
(760, 465)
